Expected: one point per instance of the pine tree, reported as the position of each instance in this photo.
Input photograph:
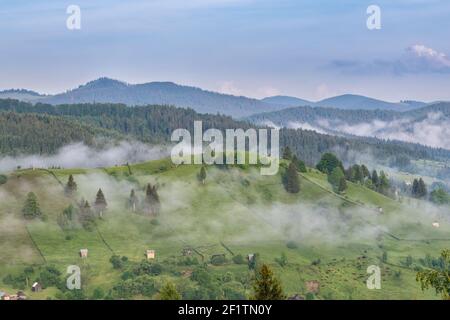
(328, 162)
(287, 153)
(31, 207)
(357, 174)
(299, 164)
(291, 180)
(335, 179)
(383, 184)
(133, 201)
(169, 292)
(152, 200)
(100, 203)
(267, 286)
(415, 188)
(71, 186)
(365, 172)
(202, 175)
(375, 180)
(342, 185)
(422, 189)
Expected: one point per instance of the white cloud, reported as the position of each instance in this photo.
(228, 87)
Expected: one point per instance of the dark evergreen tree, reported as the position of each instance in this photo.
(31, 207)
(267, 286)
(328, 162)
(291, 180)
(202, 175)
(100, 203)
(152, 202)
(287, 153)
(71, 186)
(299, 164)
(375, 179)
(133, 201)
(335, 179)
(365, 172)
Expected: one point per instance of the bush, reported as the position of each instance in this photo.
(292, 245)
(3, 179)
(218, 260)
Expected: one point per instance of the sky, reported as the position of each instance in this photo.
(311, 49)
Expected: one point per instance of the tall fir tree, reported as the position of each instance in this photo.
(267, 286)
(71, 187)
(100, 203)
(202, 175)
(31, 208)
(287, 153)
(152, 200)
(133, 201)
(291, 180)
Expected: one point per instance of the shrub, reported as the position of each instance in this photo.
(3, 179)
(218, 260)
(292, 245)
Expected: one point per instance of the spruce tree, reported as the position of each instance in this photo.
(335, 179)
(375, 180)
(152, 200)
(287, 153)
(31, 207)
(169, 292)
(422, 189)
(292, 183)
(267, 286)
(202, 175)
(100, 203)
(71, 186)
(133, 201)
(342, 185)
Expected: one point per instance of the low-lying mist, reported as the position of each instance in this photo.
(432, 130)
(79, 155)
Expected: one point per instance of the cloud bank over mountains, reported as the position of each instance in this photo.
(417, 59)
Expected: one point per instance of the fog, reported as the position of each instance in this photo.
(433, 130)
(79, 155)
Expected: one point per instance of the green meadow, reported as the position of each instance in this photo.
(324, 236)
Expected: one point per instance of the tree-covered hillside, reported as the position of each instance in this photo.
(155, 124)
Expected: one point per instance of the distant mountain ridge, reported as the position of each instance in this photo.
(347, 102)
(107, 90)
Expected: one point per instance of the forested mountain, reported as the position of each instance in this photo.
(428, 125)
(67, 123)
(106, 90)
(356, 102)
(288, 101)
(21, 94)
(27, 133)
(347, 102)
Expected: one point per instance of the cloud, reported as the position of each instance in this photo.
(428, 131)
(79, 155)
(228, 87)
(416, 59)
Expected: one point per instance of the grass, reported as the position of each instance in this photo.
(235, 206)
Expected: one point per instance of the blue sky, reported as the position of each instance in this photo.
(310, 49)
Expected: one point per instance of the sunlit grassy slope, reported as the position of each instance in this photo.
(236, 208)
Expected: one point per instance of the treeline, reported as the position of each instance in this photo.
(56, 125)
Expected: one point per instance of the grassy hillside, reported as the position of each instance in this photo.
(326, 237)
